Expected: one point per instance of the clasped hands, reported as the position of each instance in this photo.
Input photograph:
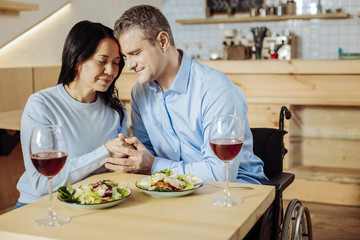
(128, 155)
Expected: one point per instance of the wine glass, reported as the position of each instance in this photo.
(226, 140)
(48, 152)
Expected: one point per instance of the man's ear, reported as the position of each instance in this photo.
(163, 40)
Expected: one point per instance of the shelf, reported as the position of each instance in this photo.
(341, 15)
(18, 6)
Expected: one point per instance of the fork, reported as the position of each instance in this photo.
(216, 186)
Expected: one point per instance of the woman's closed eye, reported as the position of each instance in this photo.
(117, 61)
(137, 53)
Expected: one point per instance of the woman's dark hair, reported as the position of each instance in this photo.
(80, 44)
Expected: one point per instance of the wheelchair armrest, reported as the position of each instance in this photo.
(281, 181)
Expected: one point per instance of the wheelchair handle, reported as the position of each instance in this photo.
(284, 112)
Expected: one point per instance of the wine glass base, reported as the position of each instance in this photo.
(52, 222)
(226, 202)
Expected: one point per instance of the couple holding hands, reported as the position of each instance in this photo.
(172, 106)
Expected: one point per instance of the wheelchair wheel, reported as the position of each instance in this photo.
(297, 222)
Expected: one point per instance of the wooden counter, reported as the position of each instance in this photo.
(11, 120)
(324, 131)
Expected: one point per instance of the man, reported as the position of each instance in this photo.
(173, 104)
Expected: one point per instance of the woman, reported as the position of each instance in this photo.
(84, 103)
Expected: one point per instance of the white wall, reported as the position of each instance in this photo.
(318, 39)
(13, 23)
(44, 46)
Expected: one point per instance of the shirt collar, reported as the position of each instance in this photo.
(154, 86)
(181, 80)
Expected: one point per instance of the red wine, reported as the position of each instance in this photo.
(49, 163)
(226, 148)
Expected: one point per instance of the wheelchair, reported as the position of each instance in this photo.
(296, 223)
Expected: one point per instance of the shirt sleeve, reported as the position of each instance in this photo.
(75, 169)
(137, 127)
(123, 126)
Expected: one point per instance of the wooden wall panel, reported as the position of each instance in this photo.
(329, 192)
(337, 153)
(11, 120)
(337, 122)
(267, 116)
(264, 115)
(326, 136)
(295, 154)
(299, 86)
(15, 88)
(45, 77)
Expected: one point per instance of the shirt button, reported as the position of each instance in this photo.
(175, 150)
(171, 130)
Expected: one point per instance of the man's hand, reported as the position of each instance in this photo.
(138, 160)
(118, 142)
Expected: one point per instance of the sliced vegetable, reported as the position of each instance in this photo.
(167, 181)
(97, 192)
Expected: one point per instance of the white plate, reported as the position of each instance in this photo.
(96, 205)
(166, 194)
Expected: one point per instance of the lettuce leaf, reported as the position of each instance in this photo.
(65, 195)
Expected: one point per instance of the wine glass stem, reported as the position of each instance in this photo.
(51, 205)
(226, 190)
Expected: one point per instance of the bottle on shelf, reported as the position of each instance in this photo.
(208, 12)
(284, 52)
(319, 7)
(340, 52)
(280, 8)
(290, 7)
(338, 6)
(270, 9)
(225, 44)
(328, 6)
(272, 52)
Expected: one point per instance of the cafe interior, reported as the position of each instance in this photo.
(298, 65)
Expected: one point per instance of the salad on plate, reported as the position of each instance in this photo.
(102, 191)
(168, 181)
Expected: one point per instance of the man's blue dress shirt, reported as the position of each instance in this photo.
(174, 125)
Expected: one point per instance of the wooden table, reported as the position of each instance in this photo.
(141, 216)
